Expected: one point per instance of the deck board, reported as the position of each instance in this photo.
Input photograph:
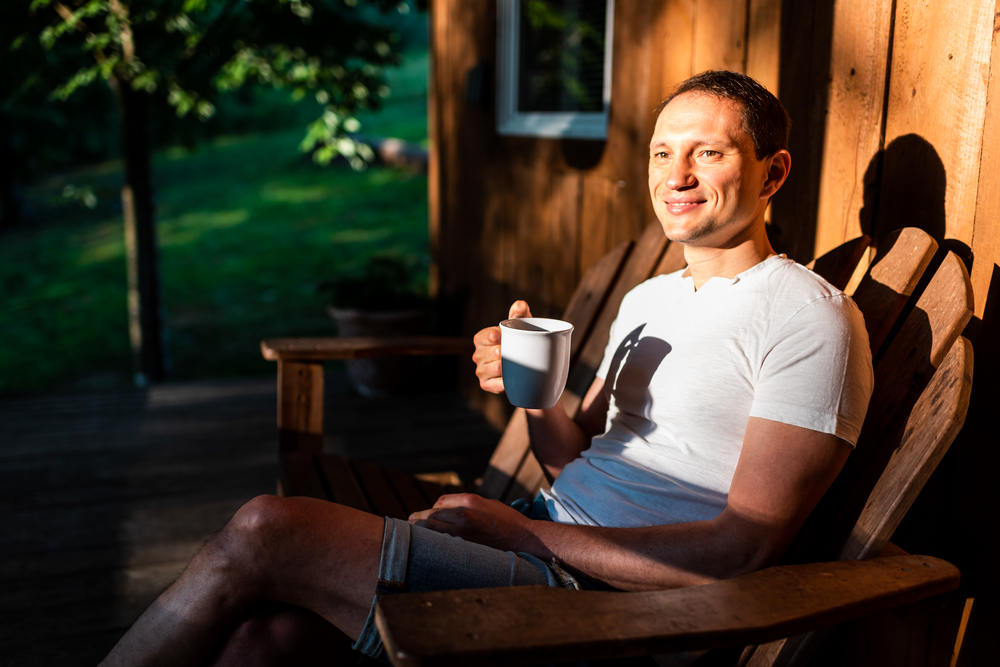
(106, 495)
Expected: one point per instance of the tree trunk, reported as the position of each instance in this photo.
(144, 303)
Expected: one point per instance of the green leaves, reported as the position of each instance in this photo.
(185, 52)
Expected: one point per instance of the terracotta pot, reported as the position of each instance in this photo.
(381, 376)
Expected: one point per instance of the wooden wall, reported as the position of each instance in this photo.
(896, 120)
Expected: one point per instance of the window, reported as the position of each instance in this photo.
(554, 72)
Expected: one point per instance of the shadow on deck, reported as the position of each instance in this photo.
(106, 496)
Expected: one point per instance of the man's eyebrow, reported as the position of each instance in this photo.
(717, 141)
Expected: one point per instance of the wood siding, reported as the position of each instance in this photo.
(895, 122)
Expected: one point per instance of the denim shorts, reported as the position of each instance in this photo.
(415, 558)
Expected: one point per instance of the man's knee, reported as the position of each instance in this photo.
(241, 549)
(259, 523)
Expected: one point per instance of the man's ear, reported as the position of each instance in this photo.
(778, 166)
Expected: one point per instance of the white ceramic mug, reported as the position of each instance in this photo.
(534, 354)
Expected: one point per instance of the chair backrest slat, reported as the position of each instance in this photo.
(887, 286)
(838, 265)
(902, 374)
(934, 422)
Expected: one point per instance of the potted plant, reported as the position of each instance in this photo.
(388, 297)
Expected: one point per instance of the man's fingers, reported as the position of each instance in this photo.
(519, 309)
(487, 336)
(454, 500)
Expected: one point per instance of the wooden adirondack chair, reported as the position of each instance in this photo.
(923, 379)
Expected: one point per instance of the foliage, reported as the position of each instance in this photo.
(389, 281)
(187, 52)
(243, 244)
(563, 54)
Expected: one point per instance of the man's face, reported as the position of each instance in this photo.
(707, 186)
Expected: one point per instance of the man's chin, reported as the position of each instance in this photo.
(696, 235)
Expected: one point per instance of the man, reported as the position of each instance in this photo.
(729, 397)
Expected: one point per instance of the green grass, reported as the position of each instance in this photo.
(247, 226)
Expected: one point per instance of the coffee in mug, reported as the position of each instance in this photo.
(534, 355)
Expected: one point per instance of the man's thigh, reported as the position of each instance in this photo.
(414, 558)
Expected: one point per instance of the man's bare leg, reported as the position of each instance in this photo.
(300, 551)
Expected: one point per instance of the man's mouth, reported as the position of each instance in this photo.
(678, 206)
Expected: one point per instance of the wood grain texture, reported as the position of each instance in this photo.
(986, 236)
(935, 420)
(937, 106)
(852, 139)
(326, 349)
(925, 336)
(586, 302)
(763, 49)
(494, 626)
(890, 281)
(838, 264)
(720, 30)
(300, 405)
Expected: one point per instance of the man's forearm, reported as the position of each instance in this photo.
(555, 438)
(655, 557)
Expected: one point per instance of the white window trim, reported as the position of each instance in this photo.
(561, 124)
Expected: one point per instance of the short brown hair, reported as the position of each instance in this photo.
(764, 117)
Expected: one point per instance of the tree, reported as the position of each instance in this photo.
(183, 53)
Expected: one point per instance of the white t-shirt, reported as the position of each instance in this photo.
(687, 369)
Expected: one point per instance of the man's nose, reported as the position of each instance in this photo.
(680, 175)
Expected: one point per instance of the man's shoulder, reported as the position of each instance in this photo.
(786, 278)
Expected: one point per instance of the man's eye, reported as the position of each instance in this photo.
(661, 155)
(710, 153)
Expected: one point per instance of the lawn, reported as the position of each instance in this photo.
(248, 226)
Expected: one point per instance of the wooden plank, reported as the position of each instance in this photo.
(890, 282)
(934, 422)
(935, 116)
(381, 496)
(838, 265)
(941, 312)
(852, 140)
(763, 47)
(507, 458)
(672, 260)
(926, 335)
(325, 349)
(538, 624)
(300, 406)
(513, 452)
(720, 29)
(644, 259)
(595, 219)
(582, 309)
(409, 491)
(343, 483)
(300, 477)
(986, 237)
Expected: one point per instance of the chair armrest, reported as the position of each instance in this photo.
(537, 624)
(324, 349)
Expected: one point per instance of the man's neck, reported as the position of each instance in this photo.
(710, 262)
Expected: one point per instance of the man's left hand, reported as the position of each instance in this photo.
(479, 519)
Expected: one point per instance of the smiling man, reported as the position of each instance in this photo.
(730, 395)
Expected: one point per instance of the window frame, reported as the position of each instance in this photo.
(548, 124)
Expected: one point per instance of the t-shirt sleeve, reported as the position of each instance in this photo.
(817, 372)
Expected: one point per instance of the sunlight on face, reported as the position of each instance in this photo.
(706, 184)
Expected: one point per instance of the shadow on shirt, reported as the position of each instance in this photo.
(634, 363)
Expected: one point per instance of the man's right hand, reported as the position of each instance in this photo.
(487, 354)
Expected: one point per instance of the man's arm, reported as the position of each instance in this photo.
(782, 473)
(556, 439)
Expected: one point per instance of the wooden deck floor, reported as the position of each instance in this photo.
(105, 496)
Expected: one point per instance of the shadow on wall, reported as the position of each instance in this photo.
(904, 186)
